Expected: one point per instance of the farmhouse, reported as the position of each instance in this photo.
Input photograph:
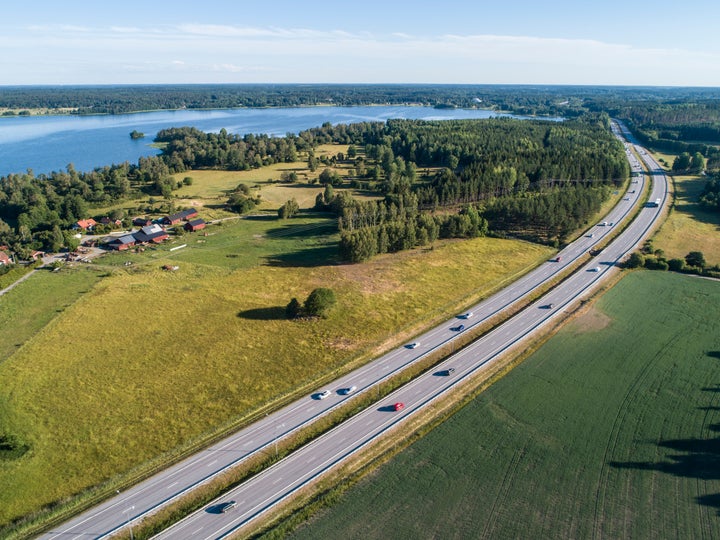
(122, 243)
(150, 233)
(195, 225)
(185, 215)
(5, 259)
(108, 221)
(142, 221)
(85, 224)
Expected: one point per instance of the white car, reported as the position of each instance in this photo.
(323, 394)
(413, 345)
(596, 269)
(348, 390)
(467, 315)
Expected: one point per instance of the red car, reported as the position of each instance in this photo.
(399, 406)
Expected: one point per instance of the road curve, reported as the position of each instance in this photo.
(150, 495)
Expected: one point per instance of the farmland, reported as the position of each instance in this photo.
(689, 227)
(608, 431)
(149, 362)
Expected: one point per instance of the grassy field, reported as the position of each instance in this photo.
(37, 301)
(210, 189)
(689, 227)
(148, 361)
(610, 430)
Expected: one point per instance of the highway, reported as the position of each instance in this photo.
(318, 457)
(296, 470)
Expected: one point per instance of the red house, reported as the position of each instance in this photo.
(195, 225)
(85, 224)
(185, 215)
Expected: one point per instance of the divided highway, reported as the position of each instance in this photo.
(288, 475)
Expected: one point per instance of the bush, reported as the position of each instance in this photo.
(676, 265)
(695, 258)
(320, 301)
(636, 260)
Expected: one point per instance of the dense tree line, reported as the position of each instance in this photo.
(710, 197)
(189, 148)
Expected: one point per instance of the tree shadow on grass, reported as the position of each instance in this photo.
(305, 258)
(714, 354)
(691, 458)
(264, 314)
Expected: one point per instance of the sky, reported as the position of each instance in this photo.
(579, 42)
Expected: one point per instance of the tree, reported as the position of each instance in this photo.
(289, 209)
(695, 258)
(636, 260)
(682, 162)
(697, 162)
(320, 302)
(294, 309)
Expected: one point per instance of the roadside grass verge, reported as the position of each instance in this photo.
(607, 431)
(150, 364)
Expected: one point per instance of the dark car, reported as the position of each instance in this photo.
(458, 328)
(447, 372)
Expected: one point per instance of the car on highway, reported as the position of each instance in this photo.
(467, 315)
(558, 258)
(596, 269)
(591, 235)
(447, 372)
(348, 390)
(549, 306)
(226, 506)
(413, 345)
(399, 406)
(603, 224)
(323, 394)
(458, 328)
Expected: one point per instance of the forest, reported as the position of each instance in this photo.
(534, 179)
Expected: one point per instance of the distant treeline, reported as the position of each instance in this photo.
(565, 101)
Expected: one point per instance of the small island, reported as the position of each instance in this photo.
(135, 134)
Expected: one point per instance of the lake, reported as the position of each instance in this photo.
(49, 143)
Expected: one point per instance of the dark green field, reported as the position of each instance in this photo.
(609, 431)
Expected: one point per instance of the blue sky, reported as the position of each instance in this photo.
(471, 41)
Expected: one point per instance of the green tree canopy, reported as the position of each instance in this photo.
(320, 302)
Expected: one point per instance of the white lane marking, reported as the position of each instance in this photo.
(248, 443)
(173, 484)
(197, 531)
(211, 463)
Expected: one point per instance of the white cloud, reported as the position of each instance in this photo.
(202, 51)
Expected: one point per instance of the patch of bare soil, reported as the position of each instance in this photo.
(593, 320)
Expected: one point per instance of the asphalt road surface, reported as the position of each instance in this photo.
(316, 458)
(312, 460)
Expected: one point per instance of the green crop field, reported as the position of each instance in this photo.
(149, 361)
(610, 430)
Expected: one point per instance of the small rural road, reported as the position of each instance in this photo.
(316, 458)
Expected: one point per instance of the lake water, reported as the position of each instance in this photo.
(49, 143)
